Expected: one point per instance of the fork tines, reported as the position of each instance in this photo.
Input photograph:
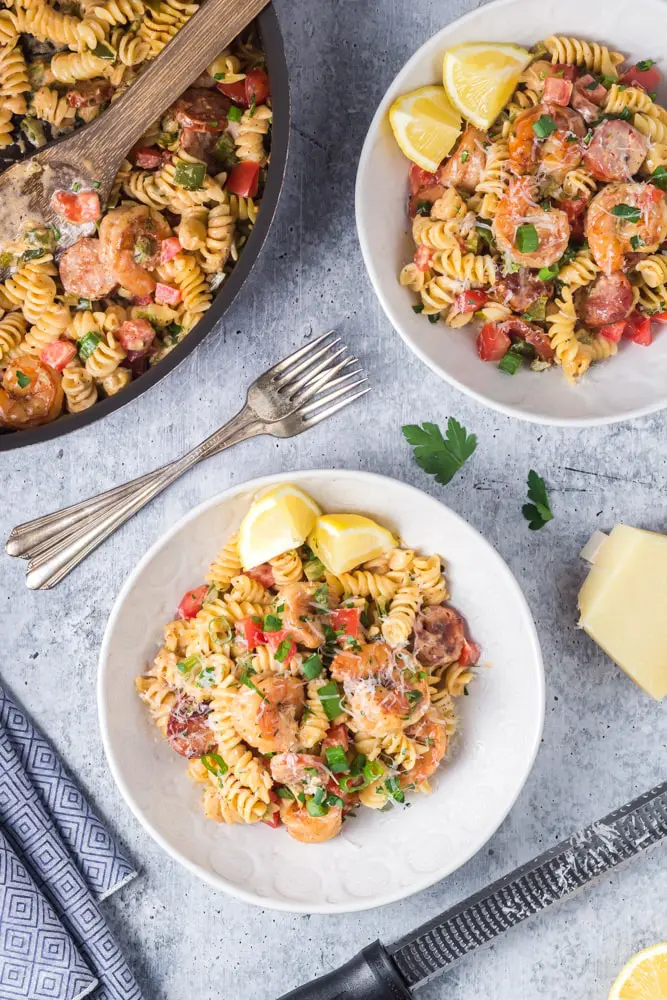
(320, 378)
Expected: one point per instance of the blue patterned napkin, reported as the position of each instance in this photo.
(57, 861)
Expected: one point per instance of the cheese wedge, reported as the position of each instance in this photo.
(623, 603)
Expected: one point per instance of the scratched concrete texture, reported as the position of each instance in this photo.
(604, 741)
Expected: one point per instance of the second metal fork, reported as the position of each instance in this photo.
(310, 385)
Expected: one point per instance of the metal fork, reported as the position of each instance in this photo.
(310, 385)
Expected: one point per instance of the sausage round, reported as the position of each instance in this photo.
(439, 635)
(609, 300)
(520, 290)
(188, 730)
(529, 332)
(82, 271)
(616, 151)
(202, 109)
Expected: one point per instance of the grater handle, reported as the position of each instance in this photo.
(370, 975)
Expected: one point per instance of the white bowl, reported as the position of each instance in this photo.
(632, 384)
(379, 857)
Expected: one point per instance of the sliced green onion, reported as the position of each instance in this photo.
(234, 114)
(527, 239)
(22, 379)
(547, 273)
(628, 212)
(414, 697)
(373, 770)
(329, 696)
(284, 793)
(103, 51)
(544, 126)
(245, 679)
(214, 763)
(225, 150)
(34, 254)
(225, 635)
(336, 760)
(357, 764)
(312, 667)
(321, 596)
(314, 569)
(272, 623)
(334, 800)
(188, 665)
(283, 650)
(511, 363)
(190, 175)
(87, 344)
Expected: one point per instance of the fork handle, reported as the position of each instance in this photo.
(55, 546)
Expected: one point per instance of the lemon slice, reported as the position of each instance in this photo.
(343, 541)
(644, 977)
(277, 521)
(480, 78)
(425, 125)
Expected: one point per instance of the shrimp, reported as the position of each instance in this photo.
(298, 618)
(431, 731)
(299, 769)
(555, 153)
(611, 236)
(383, 690)
(130, 245)
(518, 208)
(310, 829)
(267, 714)
(31, 394)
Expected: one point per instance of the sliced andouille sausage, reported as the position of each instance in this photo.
(188, 730)
(520, 290)
(200, 145)
(531, 333)
(263, 574)
(202, 109)
(616, 151)
(136, 335)
(439, 635)
(608, 300)
(465, 166)
(89, 93)
(82, 271)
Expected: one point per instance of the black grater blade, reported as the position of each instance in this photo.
(545, 880)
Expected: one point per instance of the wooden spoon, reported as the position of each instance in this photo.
(91, 156)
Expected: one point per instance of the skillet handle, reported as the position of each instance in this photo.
(370, 975)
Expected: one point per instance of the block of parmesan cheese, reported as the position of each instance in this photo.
(623, 603)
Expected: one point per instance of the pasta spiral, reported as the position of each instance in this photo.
(456, 679)
(428, 577)
(116, 381)
(12, 332)
(244, 588)
(8, 28)
(105, 358)
(435, 234)
(287, 568)
(404, 751)
(226, 67)
(633, 98)
(439, 293)
(469, 267)
(219, 239)
(186, 274)
(113, 12)
(398, 624)
(579, 183)
(51, 107)
(495, 178)
(226, 565)
(243, 209)
(254, 125)
(315, 723)
(654, 128)
(599, 348)
(79, 388)
(414, 278)
(596, 58)
(159, 698)
(651, 300)
(653, 269)
(568, 350)
(179, 198)
(6, 127)
(364, 584)
(580, 271)
(68, 67)
(14, 82)
(52, 323)
(192, 228)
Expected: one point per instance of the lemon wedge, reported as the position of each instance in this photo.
(480, 78)
(277, 521)
(344, 541)
(644, 977)
(425, 126)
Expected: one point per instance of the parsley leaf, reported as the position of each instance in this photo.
(538, 512)
(440, 456)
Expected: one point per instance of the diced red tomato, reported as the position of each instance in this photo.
(234, 91)
(613, 331)
(638, 329)
(337, 736)
(273, 819)
(257, 87)
(244, 179)
(575, 209)
(660, 317)
(557, 91)
(58, 354)
(469, 654)
(347, 619)
(251, 632)
(167, 294)
(420, 178)
(192, 602)
(274, 639)
(136, 334)
(169, 248)
(423, 257)
(148, 157)
(470, 301)
(649, 78)
(263, 574)
(77, 208)
(492, 343)
(565, 71)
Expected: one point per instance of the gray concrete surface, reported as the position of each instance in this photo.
(604, 741)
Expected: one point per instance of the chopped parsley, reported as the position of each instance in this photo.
(423, 208)
(628, 212)
(283, 650)
(272, 623)
(465, 155)
(644, 65)
(312, 667)
(22, 379)
(245, 679)
(544, 126)
(537, 513)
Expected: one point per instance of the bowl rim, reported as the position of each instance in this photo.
(394, 318)
(218, 881)
(276, 55)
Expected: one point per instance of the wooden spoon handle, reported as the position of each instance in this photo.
(186, 56)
